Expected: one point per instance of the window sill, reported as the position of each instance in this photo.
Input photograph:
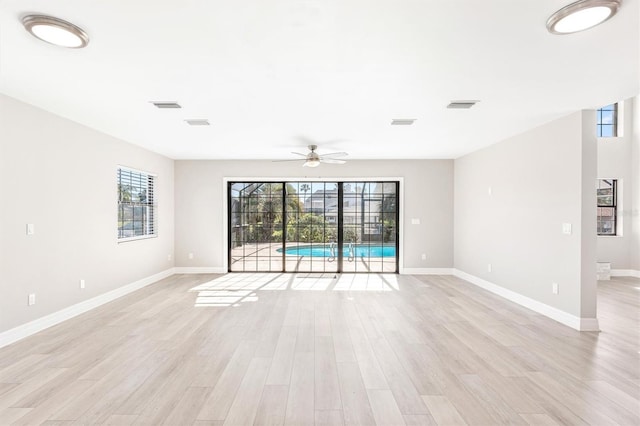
(610, 236)
(141, 237)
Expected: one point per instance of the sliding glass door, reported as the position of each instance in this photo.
(313, 226)
(312, 231)
(369, 226)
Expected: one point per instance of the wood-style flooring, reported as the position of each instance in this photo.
(271, 349)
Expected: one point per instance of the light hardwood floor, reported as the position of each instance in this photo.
(246, 349)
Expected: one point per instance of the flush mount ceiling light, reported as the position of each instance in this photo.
(55, 31)
(582, 15)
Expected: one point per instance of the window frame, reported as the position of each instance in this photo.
(152, 204)
(615, 124)
(613, 205)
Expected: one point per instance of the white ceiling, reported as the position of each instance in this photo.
(270, 74)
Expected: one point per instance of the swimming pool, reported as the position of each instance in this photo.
(325, 251)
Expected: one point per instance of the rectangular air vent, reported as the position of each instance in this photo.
(165, 104)
(461, 104)
(197, 122)
(402, 121)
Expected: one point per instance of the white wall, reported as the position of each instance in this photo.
(634, 247)
(61, 176)
(428, 189)
(615, 161)
(539, 180)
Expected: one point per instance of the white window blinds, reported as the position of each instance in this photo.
(137, 205)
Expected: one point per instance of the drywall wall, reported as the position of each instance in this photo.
(511, 201)
(615, 162)
(427, 185)
(61, 177)
(634, 249)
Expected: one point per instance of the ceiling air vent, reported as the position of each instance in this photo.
(197, 122)
(461, 104)
(402, 121)
(166, 105)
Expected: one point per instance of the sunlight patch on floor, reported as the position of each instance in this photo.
(234, 289)
(367, 282)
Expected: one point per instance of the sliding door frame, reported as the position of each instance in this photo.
(400, 217)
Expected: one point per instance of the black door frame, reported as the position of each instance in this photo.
(340, 230)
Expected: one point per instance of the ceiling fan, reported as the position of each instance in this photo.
(313, 159)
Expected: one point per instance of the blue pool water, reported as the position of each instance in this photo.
(325, 251)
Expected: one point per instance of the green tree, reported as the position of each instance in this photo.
(262, 210)
(309, 228)
(305, 187)
(387, 210)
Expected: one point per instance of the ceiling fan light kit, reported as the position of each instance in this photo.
(582, 15)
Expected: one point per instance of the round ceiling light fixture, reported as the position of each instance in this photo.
(582, 15)
(55, 31)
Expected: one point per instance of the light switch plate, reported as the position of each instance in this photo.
(31, 229)
(415, 221)
(566, 228)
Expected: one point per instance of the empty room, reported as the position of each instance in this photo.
(314, 212)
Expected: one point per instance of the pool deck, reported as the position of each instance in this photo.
(265, 257)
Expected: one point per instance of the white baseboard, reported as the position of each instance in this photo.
(581, 324)
(625, 273)
(33, 327)
(427, 271)
(200, 270)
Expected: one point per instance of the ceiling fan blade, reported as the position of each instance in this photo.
(335, 154)
(297, 153)
(282, 161)
(331, 161)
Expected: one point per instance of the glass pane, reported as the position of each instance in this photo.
(255, 224)
(606, 131)
(607, 117)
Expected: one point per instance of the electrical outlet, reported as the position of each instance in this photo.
(490, 191)
(554, 288)
(424, 256)
(190, 255)
(32, 299)
(488, 267)
(81, 283)
(169, 257)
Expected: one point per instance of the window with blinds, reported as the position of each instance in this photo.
(136, 204)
